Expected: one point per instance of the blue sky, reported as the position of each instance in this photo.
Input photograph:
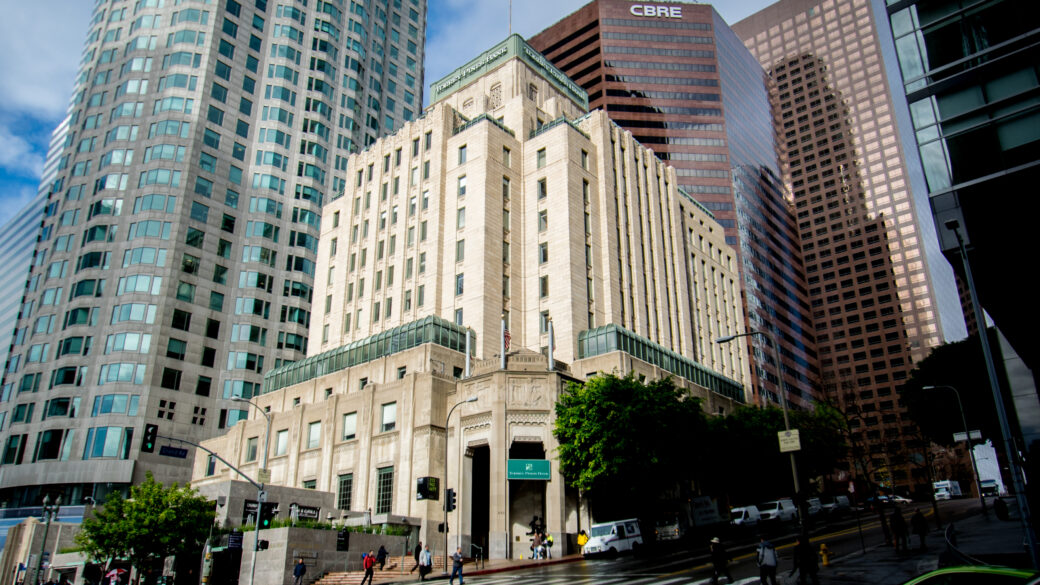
(41, 44)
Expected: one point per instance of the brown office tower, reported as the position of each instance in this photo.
(842, 160)
(677, 77)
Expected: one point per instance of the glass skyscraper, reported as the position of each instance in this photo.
(177, 252)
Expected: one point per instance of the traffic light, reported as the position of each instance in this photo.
(262, 545)
(449, 499)
(151, 433)
(268, 510)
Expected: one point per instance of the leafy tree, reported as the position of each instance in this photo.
(744, 459)
(625, 443)
(153, 523)
(960, 365)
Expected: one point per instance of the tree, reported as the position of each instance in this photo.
(153, 523)
(744, 459)
(625, 443)
(960, 365)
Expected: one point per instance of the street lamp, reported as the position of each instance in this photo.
(998, 400)
(49, 513)
(967, 437)
(782, 395)
(446, 420)
(260, 490)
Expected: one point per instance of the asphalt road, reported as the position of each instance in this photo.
(689, 565)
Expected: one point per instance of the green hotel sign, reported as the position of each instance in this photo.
(537, 469)
(514, 46)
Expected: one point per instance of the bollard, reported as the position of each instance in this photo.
(825, 555)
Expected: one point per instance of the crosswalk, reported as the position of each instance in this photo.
(601, 579)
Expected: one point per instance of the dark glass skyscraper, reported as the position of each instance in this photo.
(677, 77)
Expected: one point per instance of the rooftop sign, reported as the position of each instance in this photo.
(513, 46)
(656, 10)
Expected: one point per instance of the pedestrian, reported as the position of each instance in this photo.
(416, 554)
(536, 545)
(381, 557)
(805, 563)
(548, 546)
(369, 563)
(900, 534)
(719, 561)
(425, 563)
(298, 572)
(583, 538)
(920, 527)
(766, 561)
(456, 566)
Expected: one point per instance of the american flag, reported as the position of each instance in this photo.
(506, 336)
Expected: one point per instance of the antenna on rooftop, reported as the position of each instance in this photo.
(510, 17)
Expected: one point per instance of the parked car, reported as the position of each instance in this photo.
(982, 575)
(744, 517)
(814, 507)
(613, 537)
(901, 500)
(782, 510)
(836, 506)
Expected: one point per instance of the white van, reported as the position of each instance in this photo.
(782, 510)
(744, 517)
(613, 537)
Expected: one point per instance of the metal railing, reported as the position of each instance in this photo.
(479, 559)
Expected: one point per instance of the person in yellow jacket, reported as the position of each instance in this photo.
(582, 538)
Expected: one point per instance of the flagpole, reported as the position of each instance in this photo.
(502, 342)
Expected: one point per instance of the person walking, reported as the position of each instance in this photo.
(381, 555)
(719, 561)
(418, 551)
(920, 527)
(805, 563)
(298, 572)
(536, 545)
(425, 563)
(369, 563)
(456, 566)
(766, 561)
(899, 531)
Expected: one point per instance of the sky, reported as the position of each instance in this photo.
(41, 44)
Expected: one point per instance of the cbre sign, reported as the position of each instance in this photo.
(655, 10)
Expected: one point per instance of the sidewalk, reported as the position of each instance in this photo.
(983, 538)
(397, 574)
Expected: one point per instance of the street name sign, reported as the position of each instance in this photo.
(789, 441)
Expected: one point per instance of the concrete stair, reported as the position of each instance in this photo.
(396, 569)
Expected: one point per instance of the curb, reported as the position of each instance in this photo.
(541, 563)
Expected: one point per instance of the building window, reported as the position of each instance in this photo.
(281, 442)
(540, 158)
(389, 417)
(543, 286)
(462, 154)
(384, 490)
(460, 250)
(505, 156)
(310, 484)
(462, 185)
(585, 159)
(543, 220)
(345, 491)
(459, 279)
(458, 316)
(543, 253)
(314, 435)
(251, 444)
(543, 188)
(543, 322)
(349, 426)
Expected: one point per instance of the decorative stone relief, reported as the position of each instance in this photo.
(529, 393)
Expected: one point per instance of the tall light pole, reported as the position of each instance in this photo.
(998, 400)
(967, 438)
(446, 419)
(782, 395)
(49, 513)
(260, 490)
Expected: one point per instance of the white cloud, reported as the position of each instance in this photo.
(40, 45)
(17, 155)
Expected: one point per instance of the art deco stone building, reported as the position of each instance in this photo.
(176, 259)
(506, 205)
(676, 76)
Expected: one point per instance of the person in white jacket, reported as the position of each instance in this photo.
(766, 561)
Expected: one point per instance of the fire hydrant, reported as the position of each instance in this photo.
(825, 555)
